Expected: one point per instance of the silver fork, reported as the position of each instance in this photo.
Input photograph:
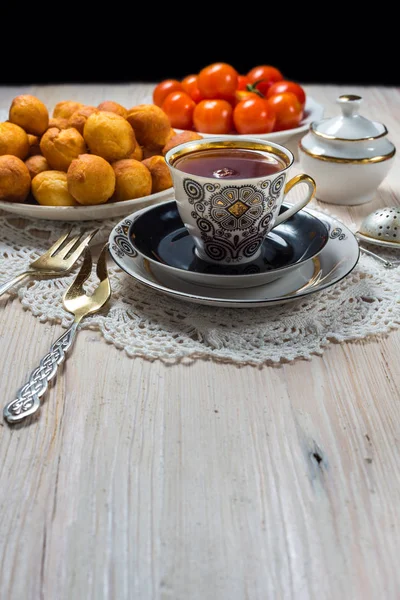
(78, 303)
(58, 260)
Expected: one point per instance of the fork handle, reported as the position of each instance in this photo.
(8, 284)
(27, 400)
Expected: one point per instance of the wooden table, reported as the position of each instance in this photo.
(206, 481)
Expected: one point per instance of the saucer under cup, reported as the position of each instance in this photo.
(228, 217)
(337, 259)
(157, 234)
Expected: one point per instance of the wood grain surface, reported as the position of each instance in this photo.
(206, 481)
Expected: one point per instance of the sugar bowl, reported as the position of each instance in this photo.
(347, 155)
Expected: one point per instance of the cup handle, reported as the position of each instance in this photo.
(309, 181)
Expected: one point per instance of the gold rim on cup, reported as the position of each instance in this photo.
(194, 146)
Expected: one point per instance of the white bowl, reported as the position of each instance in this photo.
(345, 183)
(348, 155)
(289, 137)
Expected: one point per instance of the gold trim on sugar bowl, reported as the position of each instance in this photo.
(353, 161)
(325, 136)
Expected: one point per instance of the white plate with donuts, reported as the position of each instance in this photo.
(85, 213)
(83, 162)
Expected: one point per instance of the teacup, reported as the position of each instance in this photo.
(230, 210)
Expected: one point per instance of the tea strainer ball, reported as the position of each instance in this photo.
(382, 227)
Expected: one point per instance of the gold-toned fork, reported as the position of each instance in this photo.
(77, 302)
(58, 260)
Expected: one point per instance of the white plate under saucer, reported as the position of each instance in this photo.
(158, 234)
(337, 259)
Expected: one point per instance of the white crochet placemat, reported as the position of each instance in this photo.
(153, 326)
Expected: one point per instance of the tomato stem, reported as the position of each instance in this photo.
(251, 87)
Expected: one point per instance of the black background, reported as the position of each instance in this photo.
(146, 43)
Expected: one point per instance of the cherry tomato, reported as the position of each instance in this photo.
(190, 86)
(244, 94)
(288, 110)
(265, 72)
(213, 116)
(280, 87)
(179, 107)
(243, 80)
(164, 88)
(253, 115)
(218, 81)
(263, 77)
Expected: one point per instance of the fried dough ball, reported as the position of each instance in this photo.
(34, 147)
(110, 106)
(110, 136)
(150, 124)
(79, 117)
(29, 113)
(66, 108)
(180, 138)
(61, 146)
(59, 122)
(15, 181)
(50, 188)
(149, 152)
(36, 164)
(13, 140)
(171, 134)
(91, 179)
(160, 174)
(137, 154)
(156, 150)
(133, 179)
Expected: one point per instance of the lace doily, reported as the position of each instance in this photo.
(150, 325)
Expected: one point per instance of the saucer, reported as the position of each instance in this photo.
(336, 260)
(158, 234)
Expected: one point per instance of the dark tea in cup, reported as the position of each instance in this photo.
(229, 163)
(229, 193)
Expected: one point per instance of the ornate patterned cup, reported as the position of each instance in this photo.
(229, 218)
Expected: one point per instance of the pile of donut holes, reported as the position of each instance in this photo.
(84, 154)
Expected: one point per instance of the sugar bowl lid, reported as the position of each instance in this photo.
(348, 137)
(349, 126)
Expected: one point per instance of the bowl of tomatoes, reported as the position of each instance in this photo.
(220, 101)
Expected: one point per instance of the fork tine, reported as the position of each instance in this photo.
(101, 267)
(103, 291)
(57, 244)
(82, 246)
(76, 287)
(62, 253)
